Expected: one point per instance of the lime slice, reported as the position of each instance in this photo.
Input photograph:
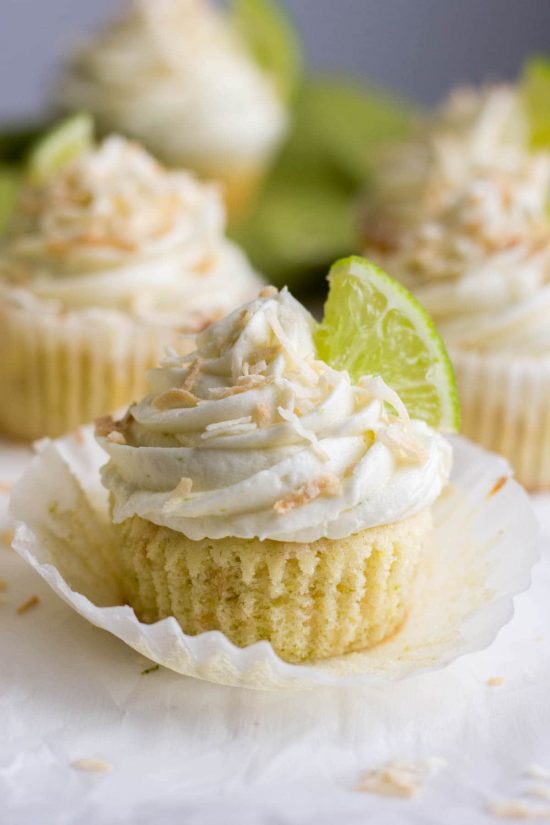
(271, 38)
(535, 91)
(62, 144)
(374, 326)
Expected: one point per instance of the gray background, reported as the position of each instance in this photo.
(416, 47)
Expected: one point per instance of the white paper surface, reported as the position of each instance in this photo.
(188, 752)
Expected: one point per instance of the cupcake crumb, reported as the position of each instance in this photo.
(174, 399)
(517, 809)
(495, 681)
(498, 485)
(91, 765)
(399, 779)
(28, 605)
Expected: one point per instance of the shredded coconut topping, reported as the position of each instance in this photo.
(268, 430)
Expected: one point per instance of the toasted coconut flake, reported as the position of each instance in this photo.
(517, 809)
(303, 432)
(233, 426)
(6, 537)
(28, 605)
(178, 495)
(105, 425)
(495, 681)
(326, 485)
(403, 443)
(5, 488)
(539, 792)
(192, 374)
(268, 292)
(400, 779)
(498, 485)
(262, 415)
(116, 437)
(174, 399)
(218, 393)
(228, 424)
(91, 765)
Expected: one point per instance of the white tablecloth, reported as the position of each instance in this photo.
(189, 753)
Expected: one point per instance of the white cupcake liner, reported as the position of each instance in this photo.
(484, 546)
(506, 407)
(61, 370)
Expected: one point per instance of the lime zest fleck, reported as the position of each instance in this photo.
(150, 669)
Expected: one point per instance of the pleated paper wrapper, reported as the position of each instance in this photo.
(484, 545)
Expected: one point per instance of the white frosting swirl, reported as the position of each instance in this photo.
(251, 436)
(116, 231)
(174, 75)
(460, 216)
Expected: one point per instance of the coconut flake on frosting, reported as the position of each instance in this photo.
(174, 74)
(460, 215)
(114, 229)
(298, 454)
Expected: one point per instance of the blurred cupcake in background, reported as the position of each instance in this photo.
(460, 215)
(108, 259)
(199, 87)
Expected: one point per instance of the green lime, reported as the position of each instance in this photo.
(374, 326)
(271, 38)
(59, 146)
(9, 188)
(535, 92)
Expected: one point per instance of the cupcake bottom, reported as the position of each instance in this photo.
(506, 408)
(309, 600)
(61, 370)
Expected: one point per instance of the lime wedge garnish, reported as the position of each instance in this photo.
(374, 326)
(271, 38)
(535, 92)
(62, 144)
(9, 187)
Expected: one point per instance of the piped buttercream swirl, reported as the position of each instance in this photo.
(253, 436)
(114, 230)
(174, 75)
(460, 215)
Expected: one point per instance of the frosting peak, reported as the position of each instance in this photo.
(253, 436)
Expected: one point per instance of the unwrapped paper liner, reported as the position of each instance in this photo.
(484, 546)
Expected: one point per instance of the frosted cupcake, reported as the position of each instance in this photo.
(176, 75)
(259, 491)
(106, 262)
(460, 216)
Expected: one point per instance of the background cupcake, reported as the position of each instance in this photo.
(258, 491)
(460, 216)
(107, 260)
(178, 75)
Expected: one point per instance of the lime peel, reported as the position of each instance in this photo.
(374, 326)
(59, 146)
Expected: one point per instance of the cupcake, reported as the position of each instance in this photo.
(460, 216)
(176, 75)
(106, 262)
(258, 491)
